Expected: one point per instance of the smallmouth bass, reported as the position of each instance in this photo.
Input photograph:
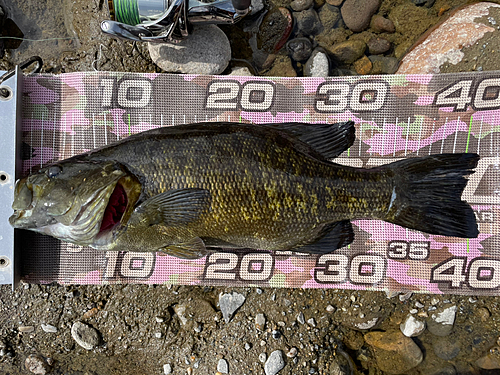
(185, 189)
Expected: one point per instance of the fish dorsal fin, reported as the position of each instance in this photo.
(332, 237)
(174, 207)
(329, 140)
(191, 249)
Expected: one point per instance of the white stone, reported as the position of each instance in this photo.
(412, 327)
(274, 363)
(445, 317)
(205, 51)
(446, 42)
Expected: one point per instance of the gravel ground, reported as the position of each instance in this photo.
(139, 329)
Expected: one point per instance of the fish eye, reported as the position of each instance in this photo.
(54, 171)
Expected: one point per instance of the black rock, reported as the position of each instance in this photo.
(299, 48)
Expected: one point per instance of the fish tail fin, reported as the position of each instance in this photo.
(427, 195)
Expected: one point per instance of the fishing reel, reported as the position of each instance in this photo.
(168, 20)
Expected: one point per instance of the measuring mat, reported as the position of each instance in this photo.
(396, 117)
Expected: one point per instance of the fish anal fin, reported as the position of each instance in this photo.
(332, 237)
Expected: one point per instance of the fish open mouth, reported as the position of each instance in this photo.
(117, 205)
(120, 204)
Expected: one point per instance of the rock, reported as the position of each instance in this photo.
(26, 329)
(383, 64)
(447, 42)
(300, 49)
(300, 5)
(274, 363)
(282, 67)
(180, 310)
(427, 3)
(311, 322)
(260, 322)
(329, 17)
(167, 369)
(412, 327)
(318, 64)
(222, 366)
(336, 369)
(300, 318)
(358, 13)
(241, 71)
(336, 3)
(483, 313)
(292, 352)
(229, 303)
(380, 24)
(353, 339)
(206, 51)
(348, 51)
(257, 6)
(49, 328)
(194, 311)
(307, 22)
(441, 321)
(363, 65)
(378, 46)
(446, 348)
(36, 365)
(85, 336)
(491, 361)
(275, 30)
(395, 353)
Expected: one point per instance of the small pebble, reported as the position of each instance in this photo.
(26, 329)
(330, 308)
(300, 318)
(262, 357)
(158, 335)
(274, 363)
(229, 303)
(276, 334)
(36, 365)
(167, 369)
(311, 322)
(412, 327)
(248, 346)
(259, 291)
(292, 352)
(85, 336)
(198, 328)
(405, 297)
(418, 305)
(260, 322)
(300, 5)
(222, 366)
(442, 320)
(159, 319)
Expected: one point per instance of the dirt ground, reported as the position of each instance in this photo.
(143, 328)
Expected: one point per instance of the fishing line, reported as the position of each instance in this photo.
(35, 40)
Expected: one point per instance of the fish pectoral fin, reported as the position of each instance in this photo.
(330, 140)
(175, 207)
(192, 249)
(332, 237)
